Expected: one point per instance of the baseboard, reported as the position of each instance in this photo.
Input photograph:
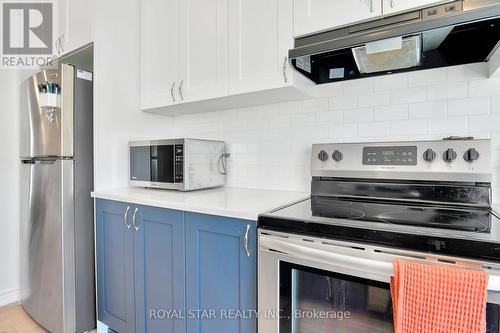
(9, 296)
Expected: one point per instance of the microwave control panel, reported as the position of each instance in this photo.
(179, 163)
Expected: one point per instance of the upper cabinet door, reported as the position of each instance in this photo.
(76, 24)
(312, 16)
(396, 6)
(159, 52)
(159, 269)
(115, 271)
(260, 35)
(220, 272)
(204, 50)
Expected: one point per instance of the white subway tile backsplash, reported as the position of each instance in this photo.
(390, 82)
(301, 120)
(400, 107)
(425, 78)
(375, 129)
(290, 108)
(359, 86)
(495, 104)
(428, 110)
(330, 117)
(279, 121)
(343, 102)
(344, 131)
(487, 123)
(329, 90)
(447, 91)
(358, 115)
(447, 125)
(391, 112)
(486, 87)
(478, 105)
(409, 127)
(315, 105)
(410, 95)
(374, 99)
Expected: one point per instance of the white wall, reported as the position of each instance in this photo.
(9, 191)
(270, 145)
(117, 116)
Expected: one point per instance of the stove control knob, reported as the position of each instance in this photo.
(471, 155)
(323, 156)
(449, 155)
(337, 156)
(429, 155)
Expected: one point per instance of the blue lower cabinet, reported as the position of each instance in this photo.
(168, 271)
(220, 274)
(115, 271)
(159, 270)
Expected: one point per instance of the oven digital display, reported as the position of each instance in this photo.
(398, 155)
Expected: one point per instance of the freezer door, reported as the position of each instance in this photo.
(47, 244)
(47, 121)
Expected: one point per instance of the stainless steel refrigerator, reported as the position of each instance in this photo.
(57, 232)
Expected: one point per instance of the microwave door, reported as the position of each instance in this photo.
(164, 161)
(140, 164)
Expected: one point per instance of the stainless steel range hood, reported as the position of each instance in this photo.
(459, 32)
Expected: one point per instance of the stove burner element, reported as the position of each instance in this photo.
(339, 213)
(435, 218)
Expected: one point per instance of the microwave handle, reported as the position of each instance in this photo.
(367, 268)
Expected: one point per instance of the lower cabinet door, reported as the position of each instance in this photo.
(115, 272)
(159, 270)
(220, 274)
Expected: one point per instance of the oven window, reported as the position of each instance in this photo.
(313, 300)
(317, 301)
(152, 163)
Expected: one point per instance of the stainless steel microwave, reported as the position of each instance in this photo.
(180, 164)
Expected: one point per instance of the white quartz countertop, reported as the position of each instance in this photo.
(225, 201)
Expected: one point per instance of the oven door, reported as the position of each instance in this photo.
(316, 285)
(152, 165)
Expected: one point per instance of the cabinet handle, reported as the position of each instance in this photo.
(125, 217)
(245, 241)
(284, 70)
(136, 227)
(372, 9)
(172, 92)
(393, 3)
(180, 90)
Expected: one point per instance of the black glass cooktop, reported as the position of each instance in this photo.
(473, 220)
(469, 232)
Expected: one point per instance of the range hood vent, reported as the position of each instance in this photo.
(407, 54)
(456, 33)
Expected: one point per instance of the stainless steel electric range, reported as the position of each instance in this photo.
(331, 255)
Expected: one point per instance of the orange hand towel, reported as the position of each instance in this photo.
(438, 299)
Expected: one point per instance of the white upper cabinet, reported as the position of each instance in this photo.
(203, 50)
(75, 24)
(396, 6)
(160, 43)
(312, 16)
(260, 35)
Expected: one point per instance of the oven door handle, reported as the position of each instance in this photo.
(363, 267)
